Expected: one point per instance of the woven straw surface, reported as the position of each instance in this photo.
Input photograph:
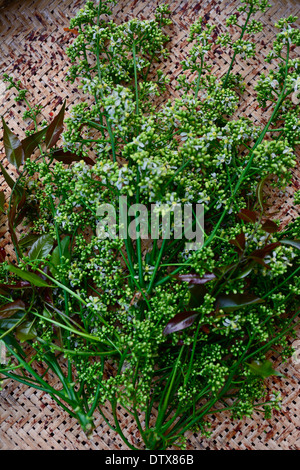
(33, 43)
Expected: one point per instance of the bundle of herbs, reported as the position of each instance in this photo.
(183, 330)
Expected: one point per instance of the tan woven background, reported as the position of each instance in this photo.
(33, 43)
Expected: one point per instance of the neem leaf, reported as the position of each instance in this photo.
(7, 323)
(28, 240)
(231, 302)
(55, 260)
(270, 226)
(55, 257)
(26, 331)
(247, 215)
(195, 278)
(260, 193)
(2, 255)
(262, 252)
(18, 285)
(8, 310)
(263, 369)
(41, 247)
(260, 261)
(13, 147)
(10, 181)
(295, 243)
(30, 143)
(245, 272)
(239, 242)
(27, 276)
(11, 219)
(181, 321)
(55, 128)
(70, 157)
(65, 251)
(2, 201)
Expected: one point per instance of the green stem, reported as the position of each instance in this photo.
(241, 37)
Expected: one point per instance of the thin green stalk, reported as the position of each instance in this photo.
(241, 37)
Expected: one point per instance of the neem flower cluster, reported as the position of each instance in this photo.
(145, 323)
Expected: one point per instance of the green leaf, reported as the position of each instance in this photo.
(30, 143)
(27, 276)
(26, 331)
(180, 322)
(2, 201)
(260, 192)
(13, 147)
(28, 240)
(41, 247)
(7, 323)
(245, 272)
(55, 128)
(232, 302)
(55, 258)
(294, 243)
(263, 369)
(8, 310)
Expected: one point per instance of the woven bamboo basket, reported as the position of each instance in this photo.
(33, 44)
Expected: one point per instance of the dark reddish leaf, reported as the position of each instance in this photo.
(262, 252)
(2, 255)
(8, 310)
(55, 128)
(270, 226)
(239, 242)
(231, 302)
(205, 329)
(260, 261)
(20, 216)
(21, 201)
(30, 143)
(11, 220)
(47, 295)
(11, 182)
(18, 285)
(247, 215)
(181, 321)
(70, 157)
(13, 147)
(195, 278)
